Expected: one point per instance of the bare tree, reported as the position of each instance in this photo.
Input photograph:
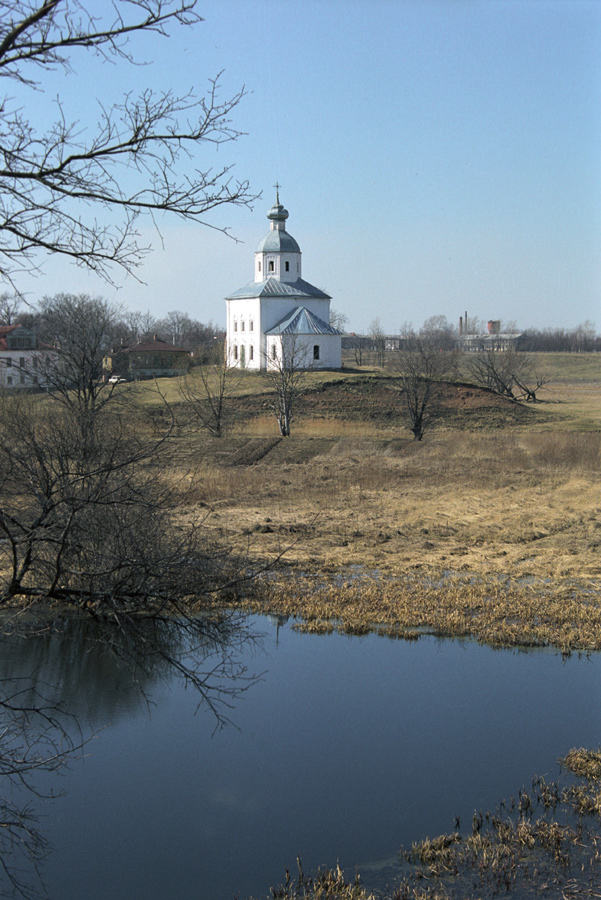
(286, 368)
(86, 520)
(86, 516)
(138, 325)
(338, 319)
(206, 391)
(506, 372)
(359, 344)
(421, 368)
(177, 325)
(585, 336)
(377, 336)
(10, 305)
(438, 330)
(80, 330)
(138, 160)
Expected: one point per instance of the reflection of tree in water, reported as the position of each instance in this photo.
(60, 678)
(96, 671)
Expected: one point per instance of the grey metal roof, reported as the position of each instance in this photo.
(273, 287)
(278, 242)
(302, 321)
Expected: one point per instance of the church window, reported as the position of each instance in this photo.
(251, 326)
(242, 325)
(235, 325)
(273, 351)
(287, 266)
(251, 352)
(259, 265)
(316, 351)
(271, 265)
(235, 351)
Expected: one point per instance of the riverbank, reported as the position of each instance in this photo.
(490, 527)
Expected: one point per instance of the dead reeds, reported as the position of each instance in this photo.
(547, 841)
(498, 612)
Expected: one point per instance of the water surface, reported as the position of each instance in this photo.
(344, 750)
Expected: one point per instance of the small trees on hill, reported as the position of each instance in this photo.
(206, 391)
(420, 368)
(508, 373)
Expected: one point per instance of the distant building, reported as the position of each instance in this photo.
(493, 339)
(21, 362)
(471, 343)
(146, 359)
(279, 306)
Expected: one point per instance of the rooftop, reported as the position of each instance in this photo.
(302, 321)
(273, 287)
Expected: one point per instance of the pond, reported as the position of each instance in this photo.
(344, 750)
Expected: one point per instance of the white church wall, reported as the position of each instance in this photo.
(307, 351)
(329, 351)
(244, 330)
(273, 265)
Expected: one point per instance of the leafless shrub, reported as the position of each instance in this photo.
(507, 373)
(420, 368)
(206, 391)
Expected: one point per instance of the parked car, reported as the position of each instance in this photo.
(116, 379)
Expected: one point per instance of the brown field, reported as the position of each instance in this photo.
(491, 526)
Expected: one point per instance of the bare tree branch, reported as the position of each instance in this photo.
(79, 193)
(508, 373)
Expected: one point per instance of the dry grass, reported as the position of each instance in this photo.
(519, 504)
(497, 612)
(496, 537)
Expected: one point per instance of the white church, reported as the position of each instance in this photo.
(279, 315)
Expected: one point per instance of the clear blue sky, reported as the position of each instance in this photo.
(435, 156)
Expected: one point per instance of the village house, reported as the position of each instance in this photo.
(21, 362)
(146, 359)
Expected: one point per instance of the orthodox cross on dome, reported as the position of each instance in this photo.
(277, 186)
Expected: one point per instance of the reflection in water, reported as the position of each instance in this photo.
(95, 672)
(345, 750)
(61, 678)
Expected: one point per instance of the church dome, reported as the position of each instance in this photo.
(278, 242)
(277, 212)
